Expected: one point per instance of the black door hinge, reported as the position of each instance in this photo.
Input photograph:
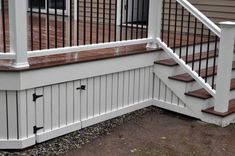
(35, 129)
(35, 97)
(83, 87)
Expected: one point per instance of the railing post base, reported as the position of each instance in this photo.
(152, 46)
(225, 63)
(20, 65)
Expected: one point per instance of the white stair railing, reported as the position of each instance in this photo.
(225, 55)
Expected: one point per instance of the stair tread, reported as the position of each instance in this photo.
(171, 62)
(230, 111)
(187, 78)
(203, 94)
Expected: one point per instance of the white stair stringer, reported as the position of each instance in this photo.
(166, 99)
(195, 105)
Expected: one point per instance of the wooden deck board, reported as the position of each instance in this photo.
(48, 61)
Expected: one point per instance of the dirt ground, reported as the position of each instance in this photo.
(162, 133)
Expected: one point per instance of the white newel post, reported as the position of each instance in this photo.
(18, 32)
(224, 72)
(155, 16)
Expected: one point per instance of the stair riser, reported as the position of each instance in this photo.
(194, 85)
(179, 88)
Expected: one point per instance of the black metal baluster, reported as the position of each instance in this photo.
(104, 20)
(207, 56)
(169, 23)
(142, 22)
(188, 35)
(121, 20)
(163, 19)
(97, 21)
(214, 62)
(147, 23)
(70, 23)
(48, 26)
(201, 46)
(137, 25)
(56, 24)
(132, 18)
(84, 23)
(91, 21)
(63, 24)
(175, 29)
(31, 23)
(39, 25)
(78, 22)
(194, 42)
(127, 9)
(115, 22)
(181, 31)
(110, 14)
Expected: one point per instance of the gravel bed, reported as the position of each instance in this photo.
(77, 139)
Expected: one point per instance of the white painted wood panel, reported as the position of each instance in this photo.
(90, 99)
(39, 109)
(3, 115)
(47, 119)
(83, 100)
(77, 102)
(70, 103)
(62, 105)
(12, 115)
(22, 114)
(55, 106)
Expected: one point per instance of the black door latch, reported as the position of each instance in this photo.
(83, 87)
(35, 129)
(35, 97)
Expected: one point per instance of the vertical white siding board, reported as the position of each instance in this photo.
(151, 83)
(70, 103)
(12, 115)
(3, 115)
(181, 103)
(22, 114)
(62, 104)
(142, 84)
(55, 106)
(97, 96)
(90, 102)
(77, 102)
(47, 108)
(120, 89)
(84, 100)
(146, 83)
(131, 87)
(175, 99)
(40, 109)
(103, 93)
(126, 89)
(156, 87)
(31, 114)
(115, 92)
(168, 95)
(162, 91)
(109, 93)
(137, 85)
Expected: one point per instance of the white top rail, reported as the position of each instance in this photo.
(200, 16)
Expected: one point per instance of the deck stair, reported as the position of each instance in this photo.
(196, 98)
